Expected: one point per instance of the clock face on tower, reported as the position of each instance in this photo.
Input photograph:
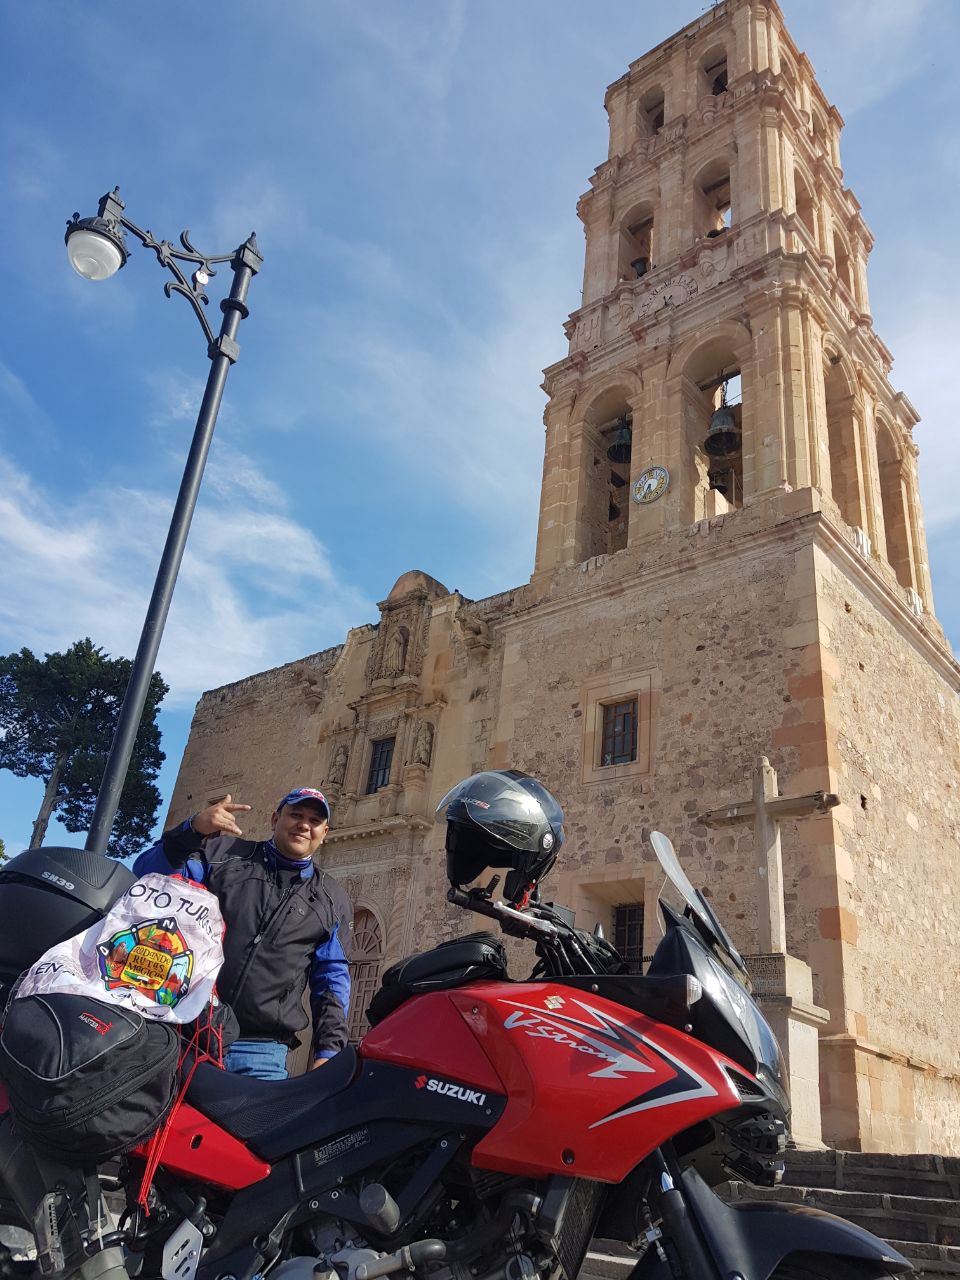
(651, 484)
(669, 294)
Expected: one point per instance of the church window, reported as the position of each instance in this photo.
(618, 724)
(367, 953)
(618, 741)
(628, 934)
(381, 759)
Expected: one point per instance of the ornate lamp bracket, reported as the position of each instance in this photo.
(112, 222)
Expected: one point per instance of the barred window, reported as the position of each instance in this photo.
(381, 758)
(618, 735)
(628, 934)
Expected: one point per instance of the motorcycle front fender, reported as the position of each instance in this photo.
(754, 1237)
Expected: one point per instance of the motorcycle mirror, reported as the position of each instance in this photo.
(700, 908)
(488, 891)
(598, 932)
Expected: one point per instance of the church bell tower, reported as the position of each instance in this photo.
(730, 506)
(724, 349)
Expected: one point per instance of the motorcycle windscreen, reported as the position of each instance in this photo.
(667, 857)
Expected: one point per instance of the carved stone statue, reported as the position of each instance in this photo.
(423, 746)
(395, 655)
(338, 766)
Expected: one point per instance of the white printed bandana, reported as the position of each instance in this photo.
(158, 950)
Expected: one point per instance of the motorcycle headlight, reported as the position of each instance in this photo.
(742, 1009)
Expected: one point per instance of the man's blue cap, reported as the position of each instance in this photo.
(306, 795)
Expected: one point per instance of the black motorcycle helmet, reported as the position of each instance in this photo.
(501, 818)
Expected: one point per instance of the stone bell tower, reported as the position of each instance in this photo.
(725, 261)
(730, 494)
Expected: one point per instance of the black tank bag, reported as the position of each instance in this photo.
(451, 964)
(87, 1080)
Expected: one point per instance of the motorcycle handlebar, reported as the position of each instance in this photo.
(519, 924)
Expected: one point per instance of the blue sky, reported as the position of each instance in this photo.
(411, 168)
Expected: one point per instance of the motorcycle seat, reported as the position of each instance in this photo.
(250, 1109)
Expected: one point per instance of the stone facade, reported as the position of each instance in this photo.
(769, 598)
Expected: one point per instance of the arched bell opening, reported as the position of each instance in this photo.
(651, 109)
(895, 502)
(713, 199)
(713, 69)
(605, 501)
(845, 462)
(714, 428)
(636, 242)
(788, 78)
(723, 443)
(841, 257)
(818, 126)
(806, 206)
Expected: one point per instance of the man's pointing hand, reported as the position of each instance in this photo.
(217, 818)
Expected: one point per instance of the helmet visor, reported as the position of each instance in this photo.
(508, 805)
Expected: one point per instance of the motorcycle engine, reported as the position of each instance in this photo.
(340, 1250)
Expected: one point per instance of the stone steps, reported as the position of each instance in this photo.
(912, 1201)
(936, 1177)
(922, 1229)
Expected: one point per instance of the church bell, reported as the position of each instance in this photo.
(620, 446)
(723, 434)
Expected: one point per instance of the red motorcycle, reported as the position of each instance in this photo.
(486, 1129)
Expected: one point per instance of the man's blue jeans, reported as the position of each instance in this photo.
(265, 1059)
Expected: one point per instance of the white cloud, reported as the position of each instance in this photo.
(422, 44)
(255, 589)
(864, 49)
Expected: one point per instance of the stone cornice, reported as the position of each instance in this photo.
(846, 1041)
(753, 546)
(377, 828)
(811, 527)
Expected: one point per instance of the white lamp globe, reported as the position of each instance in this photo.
(92, 255)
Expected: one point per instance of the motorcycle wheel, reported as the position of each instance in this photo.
(13, 1269)
(816, 1266)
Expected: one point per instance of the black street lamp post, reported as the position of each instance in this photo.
(97, 249)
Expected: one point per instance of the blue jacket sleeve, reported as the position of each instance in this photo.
(330, 995)
(172, 853)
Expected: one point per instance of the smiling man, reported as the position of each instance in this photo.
(286, 924)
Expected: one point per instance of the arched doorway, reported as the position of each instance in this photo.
(364, 968)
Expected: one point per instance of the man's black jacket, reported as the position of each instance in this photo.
(282, 927)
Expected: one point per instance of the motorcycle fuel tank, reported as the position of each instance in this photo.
(592, 1087)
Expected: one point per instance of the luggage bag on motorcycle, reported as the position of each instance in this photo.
(86, 1079)
(451, 964)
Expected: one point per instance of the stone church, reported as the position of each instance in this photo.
(728, 634)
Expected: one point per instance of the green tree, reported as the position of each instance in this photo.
(57, 719)
(3, 852)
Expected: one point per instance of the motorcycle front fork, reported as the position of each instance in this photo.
(680, 1228)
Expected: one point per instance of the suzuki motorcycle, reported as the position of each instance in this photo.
(485, 1129)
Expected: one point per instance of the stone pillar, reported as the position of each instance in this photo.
(783, 988)
(394, 944)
